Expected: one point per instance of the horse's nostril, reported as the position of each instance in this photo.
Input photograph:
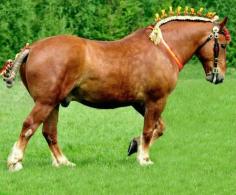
(209, 77)
(221, 80)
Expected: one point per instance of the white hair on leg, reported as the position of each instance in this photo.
(143, 156)
(15, 158)
(60, 161)
(28, 133)
(54, 161)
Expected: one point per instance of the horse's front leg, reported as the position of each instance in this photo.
(158, 131)
(153, 127)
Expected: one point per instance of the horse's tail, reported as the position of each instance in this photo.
(11, 67)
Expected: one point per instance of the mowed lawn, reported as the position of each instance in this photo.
(196, 155)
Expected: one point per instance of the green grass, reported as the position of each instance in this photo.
(196, 155)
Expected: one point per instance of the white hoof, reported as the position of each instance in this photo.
(15, 167)
(62, 161)
(70, 164)
(145, 161)
(55, 164)
(54, 161)
(67, 163)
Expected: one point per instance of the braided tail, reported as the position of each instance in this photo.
(11, 67)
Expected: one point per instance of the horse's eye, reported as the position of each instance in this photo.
(223, 46)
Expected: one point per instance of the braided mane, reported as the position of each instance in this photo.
(187, 15)
(185, 18)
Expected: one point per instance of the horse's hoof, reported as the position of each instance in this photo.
(55, 163)
(145, 162)
(67, 163)
(133, 147)
(70, 164)
(15, 167)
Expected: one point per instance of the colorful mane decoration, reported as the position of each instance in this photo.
(188, 14)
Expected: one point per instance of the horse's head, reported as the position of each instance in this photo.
(212, 53)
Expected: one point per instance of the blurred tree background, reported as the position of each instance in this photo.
(24, 21)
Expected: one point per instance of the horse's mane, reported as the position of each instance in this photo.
(185, 18)
(188, 14)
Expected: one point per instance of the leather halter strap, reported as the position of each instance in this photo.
(171, 53)
(216, 49)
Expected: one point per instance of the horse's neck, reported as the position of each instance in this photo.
(185, 37)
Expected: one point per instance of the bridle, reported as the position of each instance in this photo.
(216, 50)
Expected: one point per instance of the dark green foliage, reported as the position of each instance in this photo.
(29, 20)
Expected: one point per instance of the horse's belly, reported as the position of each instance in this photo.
(105, 105)
(103, 97)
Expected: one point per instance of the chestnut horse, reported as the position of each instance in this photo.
(132, 71)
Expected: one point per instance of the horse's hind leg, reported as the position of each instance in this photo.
(50, 134)
(38, 114)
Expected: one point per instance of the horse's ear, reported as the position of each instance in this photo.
(223, 23)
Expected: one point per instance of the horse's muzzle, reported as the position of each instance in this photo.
(215, 78)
